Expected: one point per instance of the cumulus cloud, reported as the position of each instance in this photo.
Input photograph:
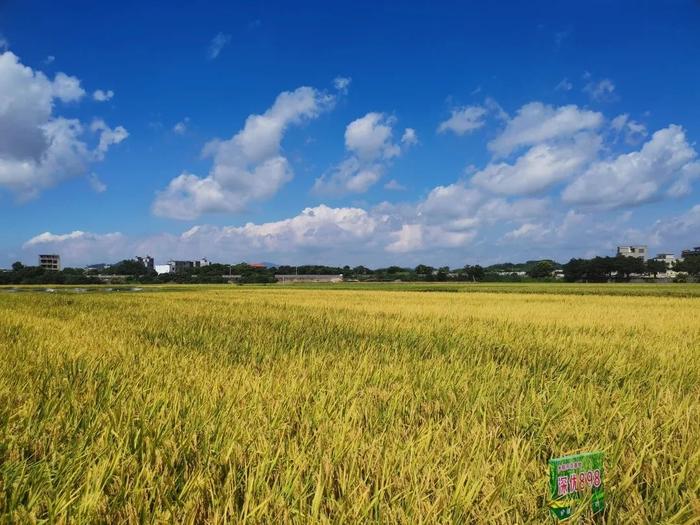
(370, 144)
(536, 123)
(320, 226)
(79, 247)
(247, 167)
(666, 164)
(102, 96)
(37, 148)
(217, 44)
(542, 166)
(369, 137)
(464, 120)
(408, 238)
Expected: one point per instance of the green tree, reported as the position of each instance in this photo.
(689, 265)
(474, 273)
(423, 269)
(128, 267)
(655, 267)
(17, 266)
(541, 269)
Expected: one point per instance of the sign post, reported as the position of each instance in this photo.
(575, 478)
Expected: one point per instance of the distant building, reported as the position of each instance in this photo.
(181, 266)
(147, 261)
(668, 258)
(695, 252)
(99, 267)
(286, 279)
(50, 262)
(162, 268)
(639, 251)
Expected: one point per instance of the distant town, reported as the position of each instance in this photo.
(629, 264)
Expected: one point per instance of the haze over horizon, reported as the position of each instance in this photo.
(372, 134)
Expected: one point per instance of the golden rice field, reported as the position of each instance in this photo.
(345, 405)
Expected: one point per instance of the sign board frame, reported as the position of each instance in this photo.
(574, 479)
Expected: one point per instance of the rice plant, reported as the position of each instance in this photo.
(345, 405)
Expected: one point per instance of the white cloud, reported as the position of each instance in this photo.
(464, 120)
(666, 164)
(4, 44)
(217, 44)
(79, 247)
(542, 166)
(49, 59)
(67, 88)
(409, 137)
(449, 202)
(96, 184)
(681, 230)
(247, 167)
(102, 96)
(601, 91)
(37, 148)
(632, 131)
(529, 231)
(409, 238)
(564, 85)
(394, 185)
(108, 136)
(342, 84)
(536, 122)
(350, 176)
(181, 127)
(369, 137)
(369, 140)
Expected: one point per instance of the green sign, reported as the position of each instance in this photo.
(573, 479)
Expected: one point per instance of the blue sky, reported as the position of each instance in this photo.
(374, 133)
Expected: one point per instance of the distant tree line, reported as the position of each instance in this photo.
(621, 268)
(131, 271)
(598, 269)
(20, 274)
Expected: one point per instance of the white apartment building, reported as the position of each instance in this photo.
(640, 251)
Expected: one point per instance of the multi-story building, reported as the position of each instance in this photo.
(668, 258)
(147, 261)
(50, 262)
(639, 251)
(162, 268)
(181, 266)
(695, 252)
